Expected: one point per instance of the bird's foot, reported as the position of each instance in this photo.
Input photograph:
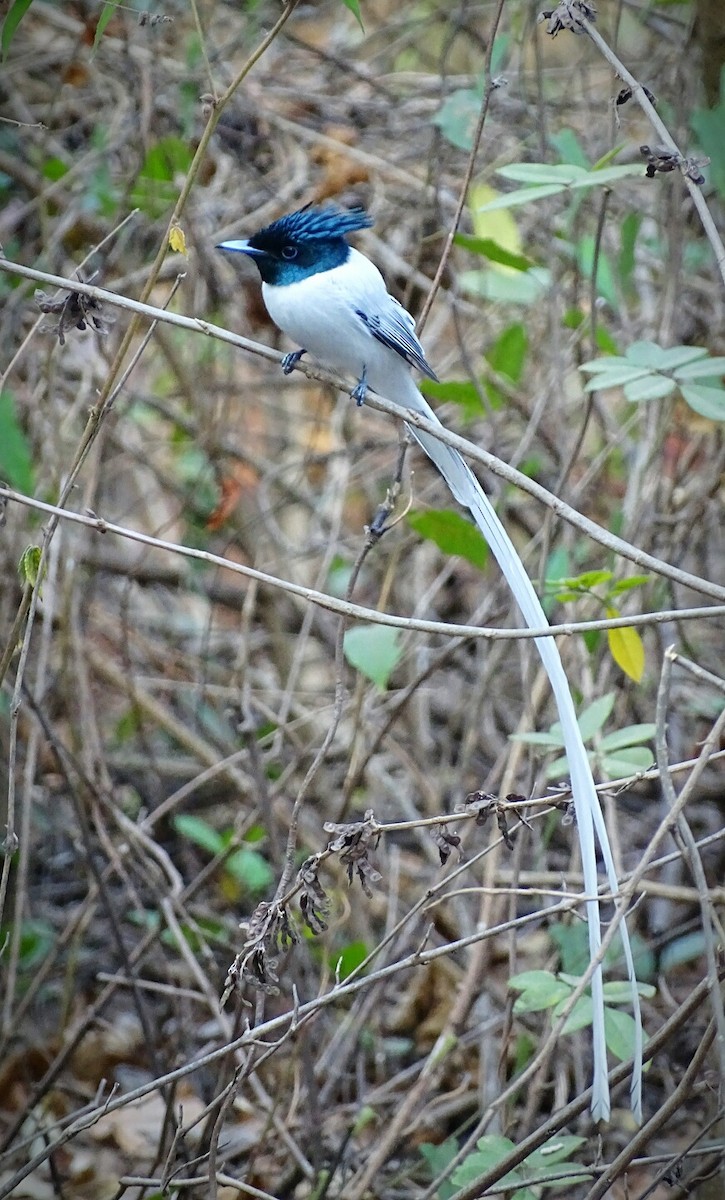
(360, 391)
(289, 362)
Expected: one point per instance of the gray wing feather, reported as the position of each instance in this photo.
(395, 328)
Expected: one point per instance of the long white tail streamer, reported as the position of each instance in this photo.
(590, 820)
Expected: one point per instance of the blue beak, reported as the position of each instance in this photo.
(242, 247)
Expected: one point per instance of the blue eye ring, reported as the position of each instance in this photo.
(289, 252)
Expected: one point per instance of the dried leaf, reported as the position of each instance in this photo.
(446, 842)
(353, 843)
(73, 311)
(568, 15)
(480, 803)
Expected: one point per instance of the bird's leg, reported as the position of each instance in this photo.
(289, 362)
(360, 391)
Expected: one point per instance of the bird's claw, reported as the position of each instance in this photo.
(360, 391)
(289, 362)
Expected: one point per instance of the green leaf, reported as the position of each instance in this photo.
(608, 157)
(619, 991)
(617, 377)
(569, 148)
(682, 950)
(652, 387)
(701, 367)
(629, 231)
(128, 725)
(36, 941)
(29, 565)
(524, 287)
(559, 768)
(572, 942)
(625, 585)
(439, 1158)
(490, 1149)
(374, 651)
(630, 735)
(587, 580)
(539, 990)
(536, 173)
(13, 17)
(354, 7)
(508, 353)
(458, 116)
(557, 567)
(346, 960)
(596, 365)
(488, 248)
(593, 717)
(546, 179)
(452, 533)
(456, 391)
(107, 12)
(199, 831)
(645, 354)
(554, 1151)
(607, 175)
(530, 979)
(619, 1029)
(553, 741)
(707, 401)
(567, 174)
(708, 125)
(522, 196)
(155, 188)
(630, 760)
(15, 461)
(54, 168)
(681, 356)
(250, 868)
(627, 649)
(586, 251)
(580, 1016)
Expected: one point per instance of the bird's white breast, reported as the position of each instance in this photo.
(319, 315)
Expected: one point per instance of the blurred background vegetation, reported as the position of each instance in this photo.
(170, 709)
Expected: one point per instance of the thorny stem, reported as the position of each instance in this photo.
(108, 390)
(709, 919)
(569, 1112)
(446, 629)
(663, 132)
(374, 533)
(470, 167)
(609, 540)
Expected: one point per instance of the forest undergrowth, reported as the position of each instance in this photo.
(291, 900)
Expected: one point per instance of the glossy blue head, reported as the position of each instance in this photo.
(303, 243)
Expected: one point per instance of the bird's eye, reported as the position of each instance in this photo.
(289, 252)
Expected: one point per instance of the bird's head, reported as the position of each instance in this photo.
(303, 243)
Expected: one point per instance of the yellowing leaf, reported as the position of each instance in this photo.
(627, 650)
(29, 565)
(177, 241)
(498, 226)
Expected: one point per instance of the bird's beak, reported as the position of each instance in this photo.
(242, 247)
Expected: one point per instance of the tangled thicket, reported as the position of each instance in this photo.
(193, 747)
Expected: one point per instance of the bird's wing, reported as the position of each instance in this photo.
(395, 328)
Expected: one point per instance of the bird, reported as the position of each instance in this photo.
(333, 303)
